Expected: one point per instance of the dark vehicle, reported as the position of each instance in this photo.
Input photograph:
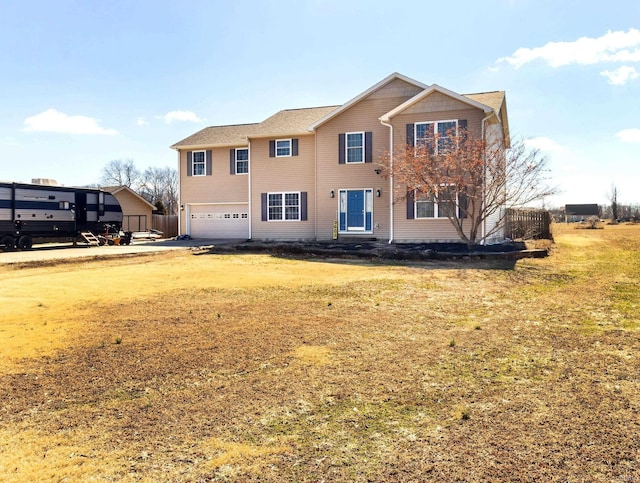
(30, 212)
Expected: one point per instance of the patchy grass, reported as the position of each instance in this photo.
(255, 368)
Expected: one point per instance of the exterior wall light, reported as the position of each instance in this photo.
(332, 194)
(378, 192)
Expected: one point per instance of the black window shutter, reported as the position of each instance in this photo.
(232, 161)
(463, 205)
(410, 205)
(303, 206)
(263, 199)
(341, 154)
(209, 163)
(462, 126)
(410, 140)
(189, 163)
(272, 148)
(294, 147)
(368, 147)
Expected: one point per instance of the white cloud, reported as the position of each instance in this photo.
(546, 145)
(53, 120)
(621, 75)
(188, 116)
(611, 47)
(629, 135)
(141, 121)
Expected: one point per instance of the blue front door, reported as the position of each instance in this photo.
(355, 210)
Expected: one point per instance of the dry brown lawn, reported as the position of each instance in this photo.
(184, 367)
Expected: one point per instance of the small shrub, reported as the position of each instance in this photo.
(118, 340)
(452, 343)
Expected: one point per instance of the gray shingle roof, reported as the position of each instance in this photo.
(284, 123)
(493, 99)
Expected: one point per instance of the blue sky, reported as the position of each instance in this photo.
(86, 82)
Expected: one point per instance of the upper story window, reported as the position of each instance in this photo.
(283, 148)
(199, 163)
(427, 132)
(355, 147)
(242, 161)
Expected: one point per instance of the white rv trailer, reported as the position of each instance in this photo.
(31, 212)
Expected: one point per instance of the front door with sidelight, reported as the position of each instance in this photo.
(356, 211)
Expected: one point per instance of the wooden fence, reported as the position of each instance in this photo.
(528, 224)
(167, 224)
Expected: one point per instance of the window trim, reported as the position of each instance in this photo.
(435, 124)
(283, 205)
(347, 148)
(204, 163)
(290, 141)
(436, 207)
(241, 161)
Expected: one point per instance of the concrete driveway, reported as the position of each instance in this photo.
(59, 251)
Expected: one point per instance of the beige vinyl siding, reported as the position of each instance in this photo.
(428, 230)
(220, 187)
(277, 175)
(332, 176)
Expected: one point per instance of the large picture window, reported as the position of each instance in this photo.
(428, 206)
(283, 206)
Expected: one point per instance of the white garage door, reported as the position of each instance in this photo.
(219, 221)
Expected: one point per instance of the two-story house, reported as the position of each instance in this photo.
(312, 174)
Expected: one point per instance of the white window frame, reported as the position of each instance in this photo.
(435, 124)
(242, 161)
(290, 148)
(347, 148)
(283, 205)
(204, 163)
(436, 209)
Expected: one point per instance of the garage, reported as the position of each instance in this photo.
(219, 220)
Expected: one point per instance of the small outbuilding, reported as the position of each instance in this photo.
(137, 212)
(577, 213)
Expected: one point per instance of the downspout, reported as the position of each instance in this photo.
(249, 191)
(390, 126)
(179, 195)
(484, 174)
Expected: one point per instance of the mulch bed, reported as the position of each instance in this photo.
(385, 251)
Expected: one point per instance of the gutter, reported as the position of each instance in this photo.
(390, 126)
(484, 175)
(249, 197)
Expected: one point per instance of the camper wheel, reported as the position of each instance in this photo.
(24, 242)
(8, 242)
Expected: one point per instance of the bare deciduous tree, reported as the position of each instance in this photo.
(120, 173)
(161, 185)
(469, 180)
(154, 184)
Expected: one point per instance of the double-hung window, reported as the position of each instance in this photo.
(426, 133)
(283, 206)
(199, 163)
(440, 206)
(354, 147)
(283, 148)
(242, 160)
